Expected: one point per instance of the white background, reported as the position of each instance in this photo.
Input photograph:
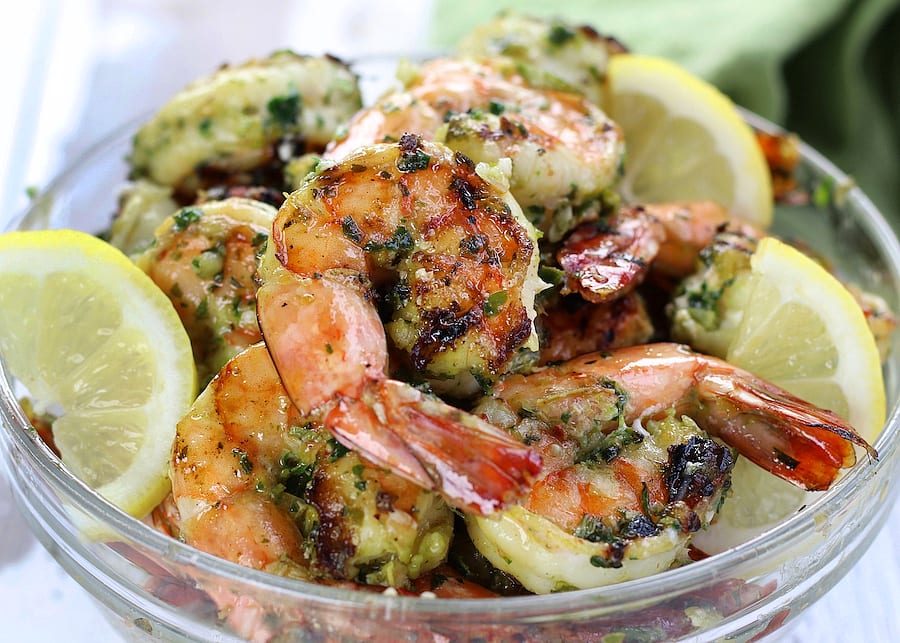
(72, 71)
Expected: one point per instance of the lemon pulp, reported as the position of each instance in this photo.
(95, 341)
(685, 140)
(802, 330)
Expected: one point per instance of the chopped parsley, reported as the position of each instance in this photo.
(495, 302)
(205, 127)
(414, 161)
(185, 217)
(243, 460)
(559, 35)
(338, 450)
(400, 241)
(412, 156)
(285, 110)
(351, 229)
(614, 443)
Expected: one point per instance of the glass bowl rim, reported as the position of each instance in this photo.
(672, 581)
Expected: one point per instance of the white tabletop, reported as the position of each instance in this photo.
(68, 64)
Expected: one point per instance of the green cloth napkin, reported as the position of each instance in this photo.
(828, 70)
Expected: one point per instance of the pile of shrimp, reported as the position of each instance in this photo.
(438, 350)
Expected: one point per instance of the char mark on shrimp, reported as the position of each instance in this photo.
(696, 469)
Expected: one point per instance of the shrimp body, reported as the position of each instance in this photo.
(233, 120)
(570, 326)
(413, 229)
(616, 500)
(258, 483)
(204, 258)
(447, 251)
(548, 52)
(781, 433)
(565, 151)
(596, 523)
(606, 259)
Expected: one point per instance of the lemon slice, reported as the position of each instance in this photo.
(802, 330)
(685, 140)
(96, 343)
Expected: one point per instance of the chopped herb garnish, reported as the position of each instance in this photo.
(495, 302)
(202, 310)
(400, 241)
(704, 299)
(285, 110)
(338, 450)
(551, 275)
(185, 217)
(295, 476)
(496, 108)
(304, 433)
(592, 529)
(485, 383)
(412, 156)
(560, 34)
(205, 127)
(614, 443)
(413, 162)
(236, 306)
(621, 399)
(351, 230)
(243, 460)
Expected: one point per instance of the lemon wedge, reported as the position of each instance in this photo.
(801, 329)
(685, 140)
(98, 345)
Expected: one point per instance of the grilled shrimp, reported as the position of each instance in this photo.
(235, 120)
(606, 259)
(628, 471)
(258, 483)
(696, 249)
(415, 230)
(566, 153)
(570, 326)
(549, 53)
(204, 258)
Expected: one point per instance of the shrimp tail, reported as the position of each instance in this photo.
(785, 435)
(474, 465)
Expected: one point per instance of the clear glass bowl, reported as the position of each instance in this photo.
(156, 587)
